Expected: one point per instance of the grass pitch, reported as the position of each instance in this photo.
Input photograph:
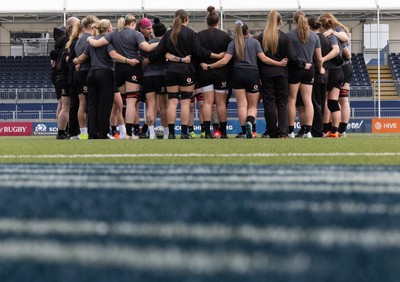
(357, 149)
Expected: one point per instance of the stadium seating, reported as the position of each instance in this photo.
(25, 72)
(360, 84)
(394, 63)
(26, 90)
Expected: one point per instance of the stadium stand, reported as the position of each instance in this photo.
(360, 82)
(394, 64)
(25, 72)
(26, 90)
(388, 86)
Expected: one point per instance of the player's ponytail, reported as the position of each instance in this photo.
(181, 16)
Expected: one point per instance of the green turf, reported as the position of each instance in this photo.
(34, 149)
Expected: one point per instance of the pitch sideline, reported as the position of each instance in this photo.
(193, 155)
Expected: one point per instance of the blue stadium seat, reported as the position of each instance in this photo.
(360, 82)
(30, 71)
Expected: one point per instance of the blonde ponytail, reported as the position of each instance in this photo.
(303, 30)
(240, 30)
(76, 30)
(335, 22)
(271, 33)
(102, 26)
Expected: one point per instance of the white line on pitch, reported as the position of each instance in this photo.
(152, 258)
(193, 155)
(326, 237)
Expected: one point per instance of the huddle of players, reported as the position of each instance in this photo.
(107, 67)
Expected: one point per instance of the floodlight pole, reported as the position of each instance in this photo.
(299, 4)
(143, 3)
(65, 12)
(222, 15)
(379, 59)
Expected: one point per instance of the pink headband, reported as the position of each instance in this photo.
(145, 23)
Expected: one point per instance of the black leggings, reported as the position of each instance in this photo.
(274, 95)
(100, 101)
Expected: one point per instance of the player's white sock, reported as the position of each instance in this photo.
(151, 132)
(166, 130)
(122, 129)
(83, 130)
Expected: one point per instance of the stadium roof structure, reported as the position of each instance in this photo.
(52, 10)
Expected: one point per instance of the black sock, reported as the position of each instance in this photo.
(243, 129)
(61, 132)
(207, 125)
(342, 127)
(291, 128)
(334, 129)
(184, 129)
(129, 127)
(254, 127)
(302, 128)
(251, 119)
(202, 127)
(171, 128)
(307, 128)
(136, 128)
(191, 128)
(326, 127)
(222, 127)
(145, 128)
(113, 129)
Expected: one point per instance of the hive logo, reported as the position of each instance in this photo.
(385, 125)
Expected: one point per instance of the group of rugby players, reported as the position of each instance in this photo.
(101, 75)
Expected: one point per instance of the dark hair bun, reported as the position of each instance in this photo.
(159, 29)
(211, 9)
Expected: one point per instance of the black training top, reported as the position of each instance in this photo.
(285, 50)
(217, 41)
(188, 44)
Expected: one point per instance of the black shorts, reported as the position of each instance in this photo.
(302, 76)
(222, 86)
(246, 79)
(80, 82)
(58, 90)
(154, 84)
(335, 79)
(347, 72)
(181, 79)
(62, 87)
(127, 73)
(219, 83)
